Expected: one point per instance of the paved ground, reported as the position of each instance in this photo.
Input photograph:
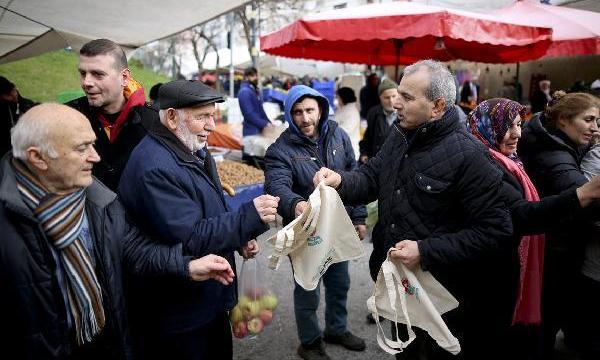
(279, 340)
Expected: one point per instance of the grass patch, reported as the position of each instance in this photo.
(43, 78)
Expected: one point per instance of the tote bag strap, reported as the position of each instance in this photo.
(392, 284)
(276, 258)
(314, 203)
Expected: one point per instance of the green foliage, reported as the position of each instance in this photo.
(45, 77)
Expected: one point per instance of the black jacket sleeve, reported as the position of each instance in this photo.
(143, 256)
(531, 217)
(358, 213)
(361, 186)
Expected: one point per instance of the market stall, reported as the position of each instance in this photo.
(241, 183)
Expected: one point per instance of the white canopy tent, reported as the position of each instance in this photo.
(32, 27)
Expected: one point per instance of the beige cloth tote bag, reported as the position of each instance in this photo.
(411, 298)
(322, 235)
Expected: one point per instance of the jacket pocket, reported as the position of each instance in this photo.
(431, 196)
(429, 184)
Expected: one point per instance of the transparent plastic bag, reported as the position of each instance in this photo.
(256, 301)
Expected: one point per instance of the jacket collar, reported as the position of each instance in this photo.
(206, 166)
(8, 187)
(556, 137)
(435, 129)
(99, 194)
(248, 85)
(167, 138)
(92, 113)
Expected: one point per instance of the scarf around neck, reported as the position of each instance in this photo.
(61, 219)
(531, 254)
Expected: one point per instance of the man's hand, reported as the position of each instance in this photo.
(211, 267)
(589, 191)
(363, 159)
(266, 206)
(250, 250)
(330, 177)
(361, 230)
(408, 253)
(300, 208)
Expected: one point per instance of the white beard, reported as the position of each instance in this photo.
(189, 139)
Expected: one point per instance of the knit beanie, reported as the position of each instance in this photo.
(386, 84)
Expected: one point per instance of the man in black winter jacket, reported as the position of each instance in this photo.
(440, 210)
(379, 121)
(115, 105)
(65, 244)
(12, 106)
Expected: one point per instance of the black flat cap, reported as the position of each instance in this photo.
(183, 93)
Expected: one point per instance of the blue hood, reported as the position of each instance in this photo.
(296, 93)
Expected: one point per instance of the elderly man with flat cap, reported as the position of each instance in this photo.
(66, 242)
(171, 187)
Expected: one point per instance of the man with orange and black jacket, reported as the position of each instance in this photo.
(115, 105)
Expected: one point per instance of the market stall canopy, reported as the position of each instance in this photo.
(32, 27)
(404, 32)
(575, 32)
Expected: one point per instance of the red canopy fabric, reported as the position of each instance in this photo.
(575, 32)
(405, 32)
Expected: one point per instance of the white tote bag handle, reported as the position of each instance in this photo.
(392, 285)
(310, 225)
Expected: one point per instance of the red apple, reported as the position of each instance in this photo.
(266, 316)
(255, 326)
(240, 330)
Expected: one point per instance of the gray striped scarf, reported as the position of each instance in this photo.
(61, 218)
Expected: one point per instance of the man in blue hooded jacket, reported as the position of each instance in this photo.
(310, 142)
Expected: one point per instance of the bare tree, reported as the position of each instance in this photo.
(273, 15)
(153, 57)
(176, 52)
(205, 38)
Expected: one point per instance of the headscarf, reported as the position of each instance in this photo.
(489, 122)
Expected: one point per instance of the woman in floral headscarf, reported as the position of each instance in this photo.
(497, 124)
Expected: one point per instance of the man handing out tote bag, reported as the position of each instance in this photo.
(321, 236)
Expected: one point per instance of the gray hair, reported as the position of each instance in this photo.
(441, 83)
(28, 132)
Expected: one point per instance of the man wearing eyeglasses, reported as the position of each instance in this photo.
(171, 188)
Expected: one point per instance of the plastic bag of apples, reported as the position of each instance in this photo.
(256, 302)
